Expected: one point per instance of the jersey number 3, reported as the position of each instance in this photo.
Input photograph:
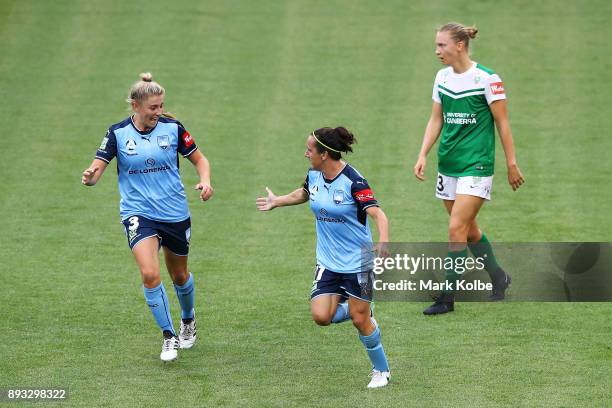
(440, 186)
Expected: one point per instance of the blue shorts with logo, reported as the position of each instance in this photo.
(173, 235)
(358, 285)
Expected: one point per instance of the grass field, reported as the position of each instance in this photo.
(250, 80)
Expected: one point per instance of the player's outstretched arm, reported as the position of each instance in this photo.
(92, 174)
(499, 110)
(432, 132)
(382, 224)
(272, 201)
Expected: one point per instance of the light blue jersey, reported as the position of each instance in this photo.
(147, 163)
(342, 228)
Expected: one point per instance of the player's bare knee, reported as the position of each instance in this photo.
(473, 237)
(321, 319)
(150, 277)
(151, 281)
(360, 320)
(474, 233)
(457, 232)
(179, 277)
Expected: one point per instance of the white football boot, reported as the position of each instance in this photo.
(187, 335)
(169, 349)
(379, 378)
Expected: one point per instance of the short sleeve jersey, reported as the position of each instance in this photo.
(148, 168)
(339, 207)
(467, 144)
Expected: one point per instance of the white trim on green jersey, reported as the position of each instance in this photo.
(467, 142)
(475, 81)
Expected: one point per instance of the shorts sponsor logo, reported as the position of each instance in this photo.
(364, 195)
(133, 228)
(338, 196)
(497, 88)
(187, 139)
(364, 281)
(163, 141)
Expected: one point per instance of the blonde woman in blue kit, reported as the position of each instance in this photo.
(153, 203)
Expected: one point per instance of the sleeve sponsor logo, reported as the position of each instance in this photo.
(187, 139)
(364, 195)
(103, 144)
(497, 88)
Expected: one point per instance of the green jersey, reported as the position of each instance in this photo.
(467, 144)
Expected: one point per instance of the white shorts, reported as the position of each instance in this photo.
(448, 187)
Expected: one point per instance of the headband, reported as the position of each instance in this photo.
(323, 144)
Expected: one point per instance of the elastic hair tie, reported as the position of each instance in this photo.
(323, 144)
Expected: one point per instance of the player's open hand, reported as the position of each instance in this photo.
(419, 168)
(515, 177)
(266, 203)
(206, 191)
(88, 176)
(382, 249)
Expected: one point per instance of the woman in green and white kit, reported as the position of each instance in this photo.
(468, 100)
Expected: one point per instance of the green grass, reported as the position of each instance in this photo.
(250, 80)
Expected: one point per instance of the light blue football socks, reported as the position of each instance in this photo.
(186, 297)
(375, 350)
(342, 313)
(157, 299)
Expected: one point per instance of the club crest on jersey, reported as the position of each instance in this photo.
(163, 141)
(131, 147)
(338, 196)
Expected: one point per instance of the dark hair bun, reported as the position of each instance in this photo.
(346, 137)
(334, 141)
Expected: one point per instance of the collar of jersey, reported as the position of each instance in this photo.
(456, 75)
(337, 175)
(144, 133)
